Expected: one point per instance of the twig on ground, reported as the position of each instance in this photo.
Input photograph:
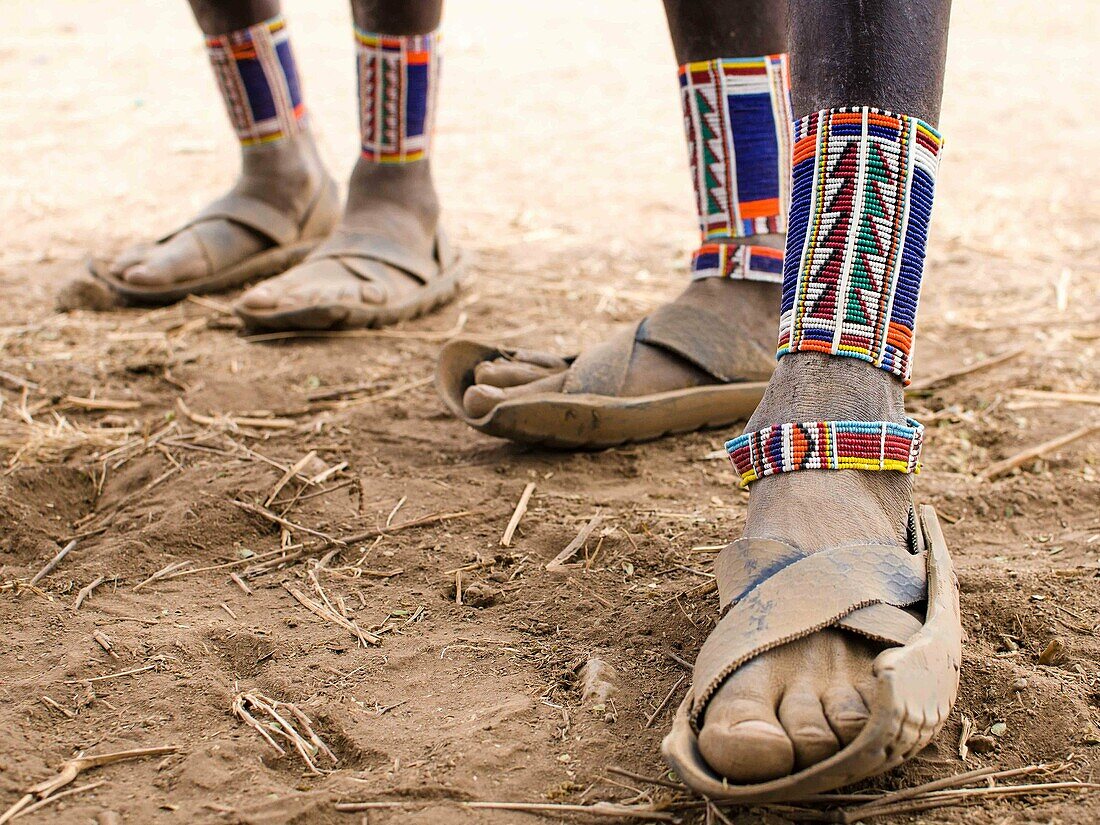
(396, 507)
(558, 564)
(664, 702)
(86, 591)
(289, 525)
(291, 471)
(652, 780)
(328, 614)
(517, 514)
(46, 700)
(306, 549)
(59, 795)
(235, 420)
(1068, 397)
(52, 563)
(1012, 462)
(977, 366)
(336, 398)
(308, 745)
(71, 769)
(163, 573)
(597, 809)
(119, 675)
(100, 403)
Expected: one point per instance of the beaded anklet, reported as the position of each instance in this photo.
(827, 445)
(861, 200)
(258, 79)
(397, 75)
(738, 261)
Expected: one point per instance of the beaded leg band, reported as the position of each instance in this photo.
(861, 200)
(398, 75)
(827, 445)
(258, 79)
(737, 261)
(737, 115)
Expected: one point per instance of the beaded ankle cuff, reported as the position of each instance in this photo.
(398, 75)
(258, 79)
(737, 261)
(827, 445)
(737, 116)
(861, 199)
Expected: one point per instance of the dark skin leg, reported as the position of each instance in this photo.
(393, 200)
(797, 704)
(286, 174)
(700, 30)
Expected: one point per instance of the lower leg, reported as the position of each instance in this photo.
(851, 277)
(279, 161)
(390, 191)
(734, 97)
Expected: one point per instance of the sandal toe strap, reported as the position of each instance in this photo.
(276, 226)
(354, 247)
(776, 594)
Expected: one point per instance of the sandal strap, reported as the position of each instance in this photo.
(819, 590)
(706, 339)
(827, 445)
(746, 262)
(351, 246)
(258, 216)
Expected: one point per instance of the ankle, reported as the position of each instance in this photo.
(863, 506)
(286, 173)
(809, 386)
(406, 186)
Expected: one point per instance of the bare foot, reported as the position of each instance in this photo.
(286, 174)
(798, 704)
(747, 312)
(397, 203)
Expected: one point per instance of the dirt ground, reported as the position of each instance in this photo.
(561, 163)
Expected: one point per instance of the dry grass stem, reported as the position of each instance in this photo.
(664, 702)
(558, 564)
(100, 403)
(330, 614)
(517, 514)
(52, 563)
(399, 334)
(289, 525)
(59, 795)
(977, 366)
(71, 769)
(299, 732)
(1031, 453)
(235, 420)
(291, 471)
(86, 591)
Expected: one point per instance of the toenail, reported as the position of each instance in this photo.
(372, 293)
(758, 726)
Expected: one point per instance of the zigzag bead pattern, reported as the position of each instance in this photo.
(861, 201)
(827, 445)
(737, 118)
(398, 75)
(258, 79)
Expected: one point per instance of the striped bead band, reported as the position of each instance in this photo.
(737, 116)
(398, 76)
(737, 261)
(258, 78)
(827, 445)
(861, 201)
